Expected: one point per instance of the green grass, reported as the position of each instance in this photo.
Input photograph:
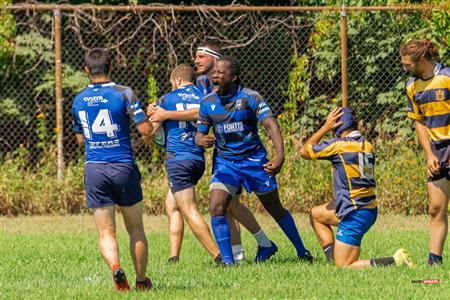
(57, 258)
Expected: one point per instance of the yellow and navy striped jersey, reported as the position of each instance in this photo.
(353, 160)
(429, 101)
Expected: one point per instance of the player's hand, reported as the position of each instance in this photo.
(207, 141)
(333, 116)
(273, 167)
(158, 114)
(151, 108)
(433, 165)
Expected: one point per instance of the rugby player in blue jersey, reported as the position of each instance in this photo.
(206, 55)
(233, 112)
(354, 209)
(428, 92)
(102, 113)
(185, 163)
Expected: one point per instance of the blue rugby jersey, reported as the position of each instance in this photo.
(234, 120)
(429, 100)
(180, 135)
(353, 160)
(204, 84)
(102, 113)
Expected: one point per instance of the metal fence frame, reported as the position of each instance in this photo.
(57, 8)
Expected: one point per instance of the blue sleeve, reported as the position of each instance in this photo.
(260, 107)
(204, 85)
(76, 125)
(162, 103)
(134, 107)
(327, 150)
(204, 122)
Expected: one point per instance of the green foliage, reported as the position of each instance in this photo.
(33, 47)
(10, 109)
(7, 32)
(72, 81)
(297, 90)
(152, 86)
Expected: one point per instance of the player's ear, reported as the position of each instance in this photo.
(86, 69)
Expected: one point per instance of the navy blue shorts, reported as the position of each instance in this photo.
(352, 228)
(442, 152)
(113, 183)
(184, 174)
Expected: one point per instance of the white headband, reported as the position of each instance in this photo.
(208, 51)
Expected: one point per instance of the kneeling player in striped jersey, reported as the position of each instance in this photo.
(354, 209)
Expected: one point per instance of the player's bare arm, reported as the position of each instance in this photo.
(274, 166)
(159, 114)
(330, 124)
(80, 139)
(145, 128)
(433, 165)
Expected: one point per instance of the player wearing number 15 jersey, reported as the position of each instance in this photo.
(354, 209)
(185, 162)
(101, 121)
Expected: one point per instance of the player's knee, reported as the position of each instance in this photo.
(436, 211)
(107, 232)
(217, 210)
(171, 209)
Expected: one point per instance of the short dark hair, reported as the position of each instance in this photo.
(98, 61)
(212, 45)
(235, 66)
(183, 71)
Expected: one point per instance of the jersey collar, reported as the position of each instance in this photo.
(91, 85)
(437, 68)
(228, 97)
(186, 86)
(354, 134)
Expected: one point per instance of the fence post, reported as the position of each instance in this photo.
(344, 73)
(58, 94)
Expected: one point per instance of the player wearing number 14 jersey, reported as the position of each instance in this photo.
(101, 121)
(354, 209)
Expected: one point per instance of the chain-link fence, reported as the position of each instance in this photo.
(291, 57)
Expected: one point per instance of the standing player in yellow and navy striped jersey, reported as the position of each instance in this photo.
(354, 209)
(428, 93)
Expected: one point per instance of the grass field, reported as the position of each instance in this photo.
(57, 258)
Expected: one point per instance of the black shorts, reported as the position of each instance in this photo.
(184, 174)
(442, 152)
(112, 183)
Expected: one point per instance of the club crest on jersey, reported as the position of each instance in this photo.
(213, 106)
(440, 95)
(238, 104)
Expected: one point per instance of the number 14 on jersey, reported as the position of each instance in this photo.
(103, 124)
